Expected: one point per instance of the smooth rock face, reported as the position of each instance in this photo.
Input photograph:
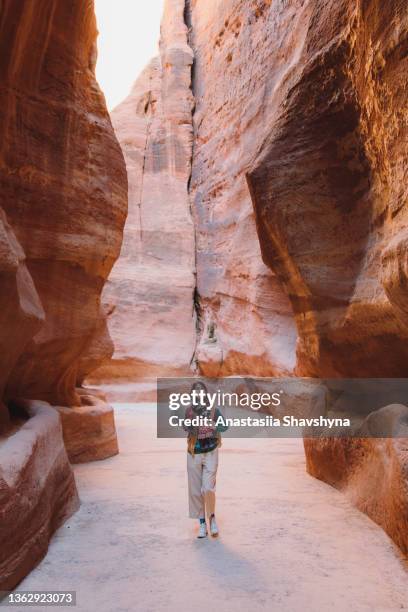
(89, 430)
(247, 325)
(21, 312)
(37, 492)
(307, 100)
(301, 108)
(63, 206)
(328, 188)
(63, 186)
(150, 290)
(372, 472)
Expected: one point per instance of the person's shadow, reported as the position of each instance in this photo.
(226, 566)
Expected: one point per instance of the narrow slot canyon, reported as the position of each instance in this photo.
(239, 213)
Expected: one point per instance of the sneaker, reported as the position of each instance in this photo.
(213, 527)
(202, 531)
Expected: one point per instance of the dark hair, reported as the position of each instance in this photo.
(199, 385)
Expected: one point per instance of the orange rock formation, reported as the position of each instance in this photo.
(63, 206)
(298, 196)
(150, 291)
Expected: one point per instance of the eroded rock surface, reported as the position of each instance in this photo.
(63, 187)
(150, 291)
(247, 325)
(89, 429)
(328, 188)
(37, 492)
(21, 312)
(63, 206)
(301, 107)
(373, 473)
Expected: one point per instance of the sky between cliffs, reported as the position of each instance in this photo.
(128, 38)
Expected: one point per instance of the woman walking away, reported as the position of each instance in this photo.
(202, 461)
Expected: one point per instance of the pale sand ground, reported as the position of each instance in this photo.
(288, 543)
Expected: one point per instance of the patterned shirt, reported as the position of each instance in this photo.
(209, 443)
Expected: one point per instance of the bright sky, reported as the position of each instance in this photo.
(128, 37)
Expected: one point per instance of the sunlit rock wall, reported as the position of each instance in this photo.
(63, 186)
(328, 185)
(246, 320)
(301, 108)
(63, 205)
(150, 291)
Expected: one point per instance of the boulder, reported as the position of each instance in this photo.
(37, 491)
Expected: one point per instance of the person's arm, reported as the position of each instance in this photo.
(220, 427)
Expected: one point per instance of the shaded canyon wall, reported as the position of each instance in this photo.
(63, 206)
(305, 102)
(64, 195)
(329, 189)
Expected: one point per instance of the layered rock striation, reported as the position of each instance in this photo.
(63, 186)
(328, 188)
(37, 491)
(150, 291)
(247, 324)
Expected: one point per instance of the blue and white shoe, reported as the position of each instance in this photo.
(213, 527)
(202, 531)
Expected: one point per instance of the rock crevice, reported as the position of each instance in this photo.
(152, 285)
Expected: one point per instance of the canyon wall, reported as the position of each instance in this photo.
(297, 192)
(63, 186)
(328, 188)
(247, 324)
(150, 291)
(301, 114)
(304, 101)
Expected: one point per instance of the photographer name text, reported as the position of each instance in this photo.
(258, 421)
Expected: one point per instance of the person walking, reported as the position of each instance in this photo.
(203, 443)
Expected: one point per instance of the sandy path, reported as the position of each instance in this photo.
(288, 542)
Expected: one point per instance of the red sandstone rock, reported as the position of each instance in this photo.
(21, 313)
(247, 326)
(98, 351)
(280, 97)
(89, 430)
(306, 101)
(37, 492)
(63, 187)
(151, 286)
(372, 472)
(327, 186)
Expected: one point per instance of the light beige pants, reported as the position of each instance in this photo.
(202, 473)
